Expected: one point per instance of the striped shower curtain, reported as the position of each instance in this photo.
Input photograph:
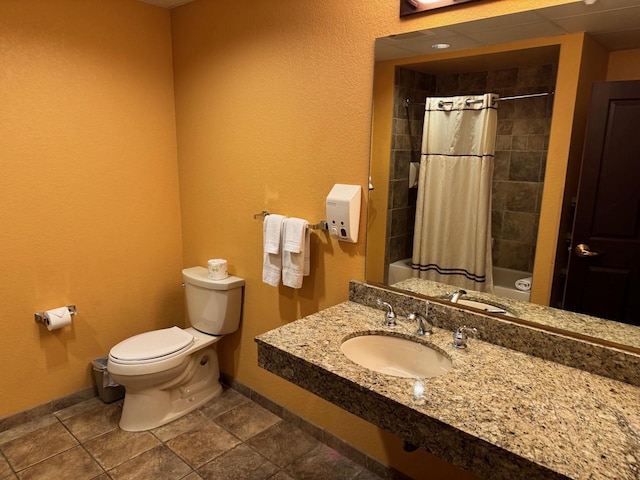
(452, 239)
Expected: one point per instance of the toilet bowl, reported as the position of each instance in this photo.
(169, 372)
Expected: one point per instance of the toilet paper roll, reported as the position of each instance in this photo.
(217, 269)
(57, 318)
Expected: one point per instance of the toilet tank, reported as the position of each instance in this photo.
(213, 306)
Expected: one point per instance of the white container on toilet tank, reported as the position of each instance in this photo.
(343, 212)
(170, 372)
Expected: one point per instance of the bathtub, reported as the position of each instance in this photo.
(504, 279)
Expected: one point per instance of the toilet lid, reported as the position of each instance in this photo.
(152, 346)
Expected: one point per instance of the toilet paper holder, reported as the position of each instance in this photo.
(40, 316)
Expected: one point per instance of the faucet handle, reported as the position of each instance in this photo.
(390, 317)
(461, 335)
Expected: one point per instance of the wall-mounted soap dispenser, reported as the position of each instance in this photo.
(343, 212)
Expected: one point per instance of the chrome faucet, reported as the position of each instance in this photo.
(390, 317)
(456, 295)
(461, 336)
(425, 327)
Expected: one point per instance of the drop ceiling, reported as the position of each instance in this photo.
(615, 24)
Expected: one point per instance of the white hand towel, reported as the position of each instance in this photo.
(295, 253)
(524, 284)
(272, 253)
(273, 232)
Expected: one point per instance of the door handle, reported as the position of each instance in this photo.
(583, 250)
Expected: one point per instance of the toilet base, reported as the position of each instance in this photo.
(146, 407)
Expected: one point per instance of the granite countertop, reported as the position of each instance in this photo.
(497, 412)
(615, 332)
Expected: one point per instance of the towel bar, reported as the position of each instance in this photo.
(321, 225)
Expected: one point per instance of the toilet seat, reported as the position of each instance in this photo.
(150, 347)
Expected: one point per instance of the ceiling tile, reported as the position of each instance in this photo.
(604, 21)
(619, 40)
(503, 21)
(516, 33)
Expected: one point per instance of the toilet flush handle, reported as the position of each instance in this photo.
(184, 285)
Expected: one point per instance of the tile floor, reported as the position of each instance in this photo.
(230, 437)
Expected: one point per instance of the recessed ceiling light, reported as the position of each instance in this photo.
(440, 46)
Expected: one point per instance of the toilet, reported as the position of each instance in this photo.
(169, 372)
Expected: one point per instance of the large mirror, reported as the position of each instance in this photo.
(551, 57)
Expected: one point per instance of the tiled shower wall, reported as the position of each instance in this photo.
(521, 151)
(405, 148)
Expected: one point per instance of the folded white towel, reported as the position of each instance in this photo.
(524, 284)
(294, 230)
(273, 232)
(272, 253)
(295, 252)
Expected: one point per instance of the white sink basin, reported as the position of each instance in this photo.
(487, 307)
(399, 357)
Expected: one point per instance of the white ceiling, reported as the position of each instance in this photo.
(615, 24)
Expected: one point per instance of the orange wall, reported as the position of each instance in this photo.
(88, 187)
(273, 107)
(624, 65)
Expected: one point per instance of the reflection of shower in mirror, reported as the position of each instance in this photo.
(504, 279)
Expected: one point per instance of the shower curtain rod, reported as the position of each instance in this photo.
(469, 102)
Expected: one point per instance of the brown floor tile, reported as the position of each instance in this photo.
(209, 439)
(159, 463)
(28, 427)
(247, 420)
(79, 408)
(323, 463)
(368, 475)
(94, 422)
(203, 444)
(73, 399)
(344, 448)
(223, 403)
(171, 430)
(192, 476)
(5, 469)
(241, 462)
(74, 464)
(27, 416)
(118, 446)
(307, 427)
(281, 476)
(282, 443)
(35, 446)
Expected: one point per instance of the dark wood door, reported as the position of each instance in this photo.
(603, 276)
